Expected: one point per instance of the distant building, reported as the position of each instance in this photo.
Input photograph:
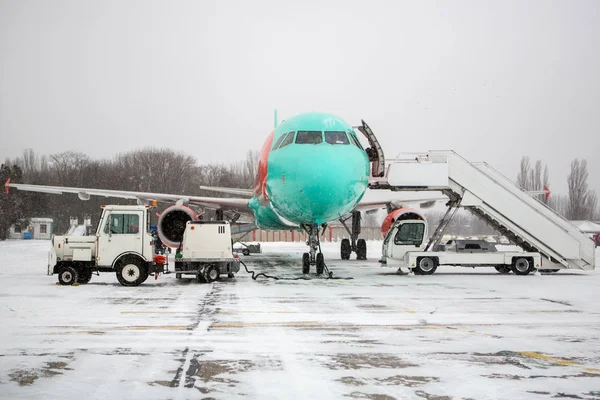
(39, 228)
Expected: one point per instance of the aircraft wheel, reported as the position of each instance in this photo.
(346, 249)
(361, 249)
(212, 273)
(520, 266)
(425, 266)
(503, 269)
(67, 276)
(320, 263)
(305, 263)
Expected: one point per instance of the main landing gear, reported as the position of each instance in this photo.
(314, 257)
(359, 246)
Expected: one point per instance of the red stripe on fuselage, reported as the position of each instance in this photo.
(260, 188)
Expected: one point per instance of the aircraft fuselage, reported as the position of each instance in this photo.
(312, 170)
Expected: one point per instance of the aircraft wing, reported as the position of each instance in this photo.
(239, 192)
(141, 197)
(377, 199)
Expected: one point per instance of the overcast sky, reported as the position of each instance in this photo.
(491, 80)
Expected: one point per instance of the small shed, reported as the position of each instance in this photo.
(39, 228)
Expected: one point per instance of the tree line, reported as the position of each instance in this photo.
(145, 170)
(168, 171)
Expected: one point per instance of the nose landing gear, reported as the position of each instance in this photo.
(313, 258)
(359, 246)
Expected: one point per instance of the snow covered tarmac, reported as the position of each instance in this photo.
(458, 334)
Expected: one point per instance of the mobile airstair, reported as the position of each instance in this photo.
(480, 189)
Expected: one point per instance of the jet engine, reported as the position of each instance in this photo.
(171, 224)
(399, 214)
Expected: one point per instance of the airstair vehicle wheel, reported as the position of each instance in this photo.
(520, 266)
(320, 263)
(361, 249)
(67, 276)
(212, 273)
(503, 269)
(345, 249)
(130, 272)
(425, 266)
(84, 275)
(305, 263)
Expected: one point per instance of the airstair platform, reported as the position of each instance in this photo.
(480, 189)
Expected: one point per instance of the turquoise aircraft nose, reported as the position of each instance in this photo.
(318, 183)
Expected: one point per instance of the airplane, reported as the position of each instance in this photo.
(312, 170)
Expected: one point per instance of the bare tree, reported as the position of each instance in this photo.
(524, 172)
(583, 202)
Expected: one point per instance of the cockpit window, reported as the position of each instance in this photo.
(288, 139)
(355, 141)
(278, 142)
(309, 137)
(336, 138)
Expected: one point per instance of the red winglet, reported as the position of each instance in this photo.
(547, 190)
(6, 185)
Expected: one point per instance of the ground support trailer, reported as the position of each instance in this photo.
(206, 251)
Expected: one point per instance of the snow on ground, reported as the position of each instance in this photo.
(457, 334)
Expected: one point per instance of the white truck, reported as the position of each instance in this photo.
(122, 244)
(405, 243)
(206, 251)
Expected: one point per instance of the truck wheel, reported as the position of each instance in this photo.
(67, 276)
(212, 273)
(84, 275)
(320, 263)
(425, 266)
(503, 269)
(520, 266)
(345, 249)
(130, 272)
(361, 249)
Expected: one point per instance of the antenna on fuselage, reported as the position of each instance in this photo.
(275, 119)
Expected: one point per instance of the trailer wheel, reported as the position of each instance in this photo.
(425, 266)
(520, 266)
(246, 252)
(212, 273)
(177, 276)
(131, 272)
(361, 249)
(345, 249)
(67, 275)
(84, 275)
(503, 269)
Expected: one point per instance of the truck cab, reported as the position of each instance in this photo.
(122, 244)
(404, 236)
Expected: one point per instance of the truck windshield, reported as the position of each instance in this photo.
(122, 224)
(410, 234)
